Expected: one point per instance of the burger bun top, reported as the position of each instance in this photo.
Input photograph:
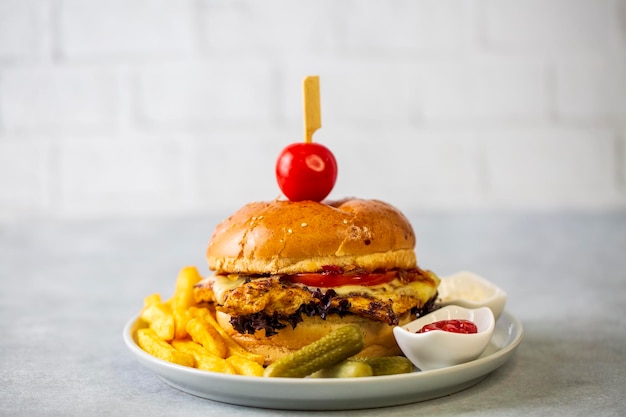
(285, 237)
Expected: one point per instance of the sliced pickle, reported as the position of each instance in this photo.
(323, 353)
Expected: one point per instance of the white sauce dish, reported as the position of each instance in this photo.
(440, 349)
(469, 290)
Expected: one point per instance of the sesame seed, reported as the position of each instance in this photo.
(260, 217)
(345, 221)
(303, 225)
(289, 230)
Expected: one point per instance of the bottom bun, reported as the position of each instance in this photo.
(378, 336)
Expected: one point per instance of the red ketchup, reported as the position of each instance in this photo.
(453, 326)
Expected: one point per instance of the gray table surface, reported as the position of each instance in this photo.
(68, 288)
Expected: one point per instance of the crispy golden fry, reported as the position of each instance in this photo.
(181, 318)
(161, 320)
(191, 347)
(198, 311)
(183, 299)
(208, 336)
(183, 294)
(205, 360)
(233, 347)
(183, 333)
(215, 364)
(245, 366)
(149, 341)
(151, 300)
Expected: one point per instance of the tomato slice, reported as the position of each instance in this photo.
(339, 280)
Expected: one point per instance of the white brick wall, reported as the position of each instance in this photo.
(25, 30)
(553, 26)
(137, 29)
(158, 107)
(217, 94)
(487, 92)
(40, 99)
(421, 26)
(24, 184)
(591, 90)
(271, 26)
(136, 176)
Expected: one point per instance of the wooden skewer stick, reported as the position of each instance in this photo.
(312, 112)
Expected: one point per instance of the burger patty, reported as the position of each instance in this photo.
(269, 302)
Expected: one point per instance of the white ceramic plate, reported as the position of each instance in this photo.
(333, 394)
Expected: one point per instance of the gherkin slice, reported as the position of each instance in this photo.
(331, 349)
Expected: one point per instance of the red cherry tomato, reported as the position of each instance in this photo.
(454, 326)
(306, 171)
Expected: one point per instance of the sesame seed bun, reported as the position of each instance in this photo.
(284, 237)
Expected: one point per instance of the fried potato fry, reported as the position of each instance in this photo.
(183, 299)
(198, 311)
(205, 360)
(215, 364)
(149, 341)
(191, 347)
(245, 366)
(181, 318)
(181, 332)
(187, 278)
(152, 299)
(208, 336)
(234, 348)
(160, 319)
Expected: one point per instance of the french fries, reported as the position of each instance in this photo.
(150, 342)
(159, 317)
(234, 349)
(181, 332)
(183, 299)
(245, 366)
(152, 299)
(203, 333)
(204, 358)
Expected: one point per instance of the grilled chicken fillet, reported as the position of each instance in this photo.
(279, 296)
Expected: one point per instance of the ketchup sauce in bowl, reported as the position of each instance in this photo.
(449, 337)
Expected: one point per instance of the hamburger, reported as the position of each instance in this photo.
(288, 273)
